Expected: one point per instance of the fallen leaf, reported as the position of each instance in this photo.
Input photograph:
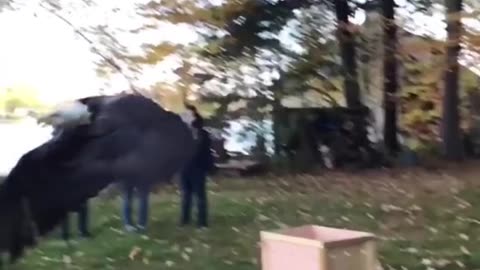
(460, 264)
(263, 217)
(389, 208)
(465, 250)
(415, 208)
(67, 259)
(412, 250)
(442, 263)
(426, 262)
(134, 252)
(79, 254)
(185, 256)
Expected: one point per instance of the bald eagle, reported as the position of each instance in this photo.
(97, 141)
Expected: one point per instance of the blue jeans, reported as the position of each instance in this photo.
(82, 214)
(143, 196)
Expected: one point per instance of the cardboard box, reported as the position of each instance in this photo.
(312, 247)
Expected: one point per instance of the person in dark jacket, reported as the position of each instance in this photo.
(194, 174)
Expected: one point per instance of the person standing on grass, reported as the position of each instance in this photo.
(82, 214)
(143, 192)
(82, 211)
(194, 174)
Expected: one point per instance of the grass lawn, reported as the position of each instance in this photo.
(424, 219)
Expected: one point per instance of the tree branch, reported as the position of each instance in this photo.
(109, 60)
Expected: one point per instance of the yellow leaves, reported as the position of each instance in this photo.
(19, 96)
(155, 54)
(415, 117)
(214, 47)
(420, 47)
(431, 76)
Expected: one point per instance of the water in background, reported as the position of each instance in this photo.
(18, 137)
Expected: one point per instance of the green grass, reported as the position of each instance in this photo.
(422, 219)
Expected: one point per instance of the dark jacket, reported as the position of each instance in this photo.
(202, 160)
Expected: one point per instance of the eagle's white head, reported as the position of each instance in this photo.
(67, 114)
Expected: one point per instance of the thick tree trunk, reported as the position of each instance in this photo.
(351, 86)
(347, 48)
(390, 85)
(451, 134)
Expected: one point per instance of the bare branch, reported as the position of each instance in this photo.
(109, 60)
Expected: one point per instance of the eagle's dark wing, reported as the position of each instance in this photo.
(128, 138)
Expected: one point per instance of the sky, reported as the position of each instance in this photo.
(43, 52)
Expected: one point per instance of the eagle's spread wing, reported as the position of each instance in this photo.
(127, 138)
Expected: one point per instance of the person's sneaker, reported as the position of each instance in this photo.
(141, 229)
(130, 228)
(202, 224)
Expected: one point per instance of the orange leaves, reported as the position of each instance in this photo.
(418, 45)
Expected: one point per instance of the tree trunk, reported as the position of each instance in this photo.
(347, 47)
(277, 117)
(390, 85)
(451, 134)
(347, 44)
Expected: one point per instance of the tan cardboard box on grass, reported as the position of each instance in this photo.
(313, 247)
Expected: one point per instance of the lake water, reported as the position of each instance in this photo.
(18, 138)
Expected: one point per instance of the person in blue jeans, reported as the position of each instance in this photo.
(143, 192)
(82, 214)
(194, 174)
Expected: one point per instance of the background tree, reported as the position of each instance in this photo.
(346, 39)
(390, 76)
(451, 134)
